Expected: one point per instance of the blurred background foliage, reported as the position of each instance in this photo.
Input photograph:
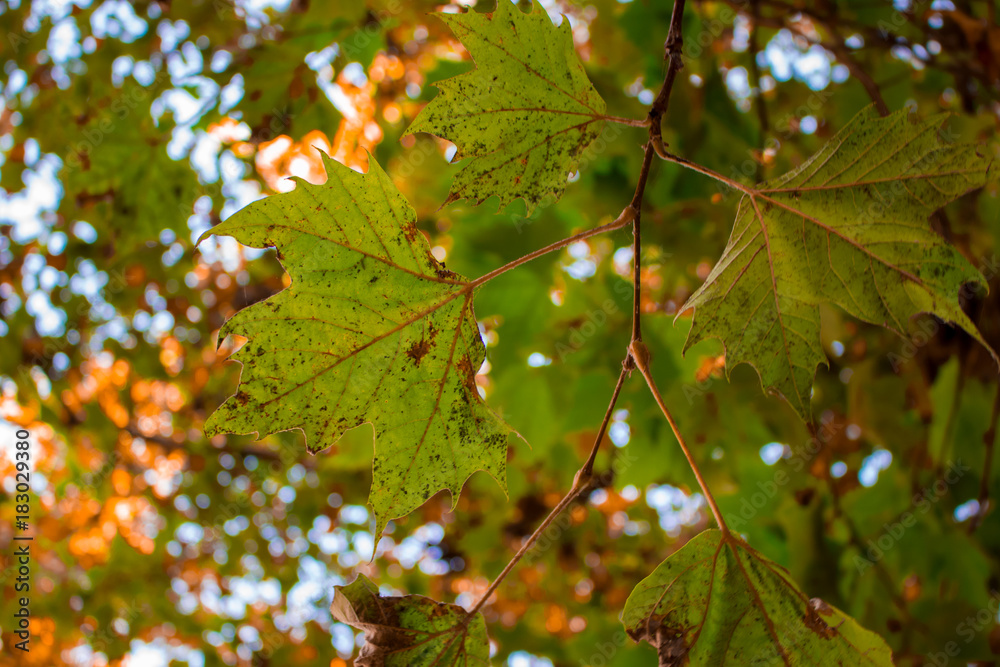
(129, 128)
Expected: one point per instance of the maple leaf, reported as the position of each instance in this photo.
(719, 602)
(847, 227)
(410, 631)
(524, 115)
(372, 330)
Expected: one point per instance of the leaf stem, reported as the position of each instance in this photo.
(624, 219)
(631, 122)
(694, 166)
(643, 365)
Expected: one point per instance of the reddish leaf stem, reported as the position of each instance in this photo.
(624, 219)
(641, 358)
(631, 122)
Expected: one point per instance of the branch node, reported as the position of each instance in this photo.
(639, 355)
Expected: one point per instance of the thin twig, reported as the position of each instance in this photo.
(755, 82)
(580, 482)
(839, 49)
(169, 445)
(672, 48)
(630, 214)
(855, 539)
(587, 470)
(636, 206)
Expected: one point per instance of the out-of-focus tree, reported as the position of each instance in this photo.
(130, 129)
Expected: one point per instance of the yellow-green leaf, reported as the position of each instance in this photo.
(410, 631)
(719, 602)
(372, 329)
(848, 227)
(523, 115)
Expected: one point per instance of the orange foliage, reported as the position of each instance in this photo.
(709, 367)
(227, 130)
(283, 157)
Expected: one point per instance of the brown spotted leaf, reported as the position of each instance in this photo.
(719, 602)
(524, 115)
(848, 227)
(372, 330)
(410, 631)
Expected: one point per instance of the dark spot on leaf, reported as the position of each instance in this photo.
(464, 367)
(813, 618)
(417, 351)
(670, 646)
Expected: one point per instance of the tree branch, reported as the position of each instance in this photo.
(581, 482)
(584, 476)
(755, 82)
(672, 47)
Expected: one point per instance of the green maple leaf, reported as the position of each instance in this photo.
(410, 631)
(847, 227)
(719, 602)
(524, 115)
(372, 330)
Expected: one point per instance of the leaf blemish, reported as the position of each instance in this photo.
(418, 351)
